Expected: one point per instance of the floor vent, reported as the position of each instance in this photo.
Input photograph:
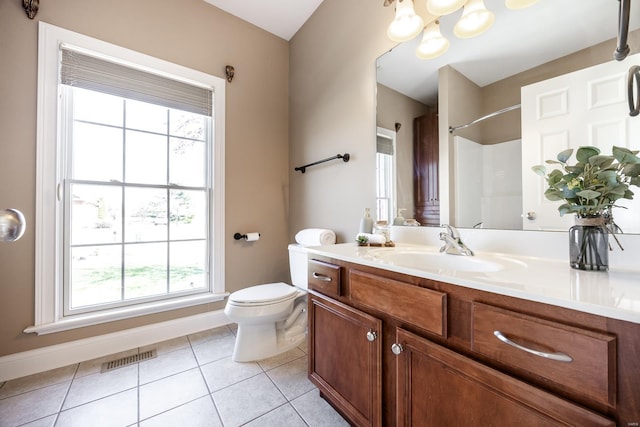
(127, 360)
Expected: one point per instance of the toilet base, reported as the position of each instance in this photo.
(257, 342)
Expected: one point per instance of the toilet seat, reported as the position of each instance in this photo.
(270, 293)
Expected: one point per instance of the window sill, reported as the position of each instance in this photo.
(89, 319)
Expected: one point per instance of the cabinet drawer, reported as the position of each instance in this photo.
(424, 308)
(575, 360)
(324, 277)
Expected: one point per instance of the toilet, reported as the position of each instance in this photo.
(271, 318)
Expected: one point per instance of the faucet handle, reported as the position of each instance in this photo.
(452, 231)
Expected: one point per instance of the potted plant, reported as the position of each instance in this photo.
(590, 189)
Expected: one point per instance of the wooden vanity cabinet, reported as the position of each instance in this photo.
(439, 387)
(440, 364)
(344, 359)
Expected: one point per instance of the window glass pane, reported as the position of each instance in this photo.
(96, 152)
(187, 162)
(187, 125)
(149, 117)
(146, 161)
(187, 270)
(97, 107)
(145, 270)
(187, 219)
(96, 214)
(96, 275)
(145, 214)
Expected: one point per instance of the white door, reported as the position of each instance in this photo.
(586, 107)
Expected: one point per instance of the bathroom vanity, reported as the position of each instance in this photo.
(398, 336)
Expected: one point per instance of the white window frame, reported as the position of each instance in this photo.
(386, 175)
(49, 315)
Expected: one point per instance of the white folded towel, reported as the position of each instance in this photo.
(376, 239)
(315, 237)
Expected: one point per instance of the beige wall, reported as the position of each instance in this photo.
(188, 32)
(333, 83)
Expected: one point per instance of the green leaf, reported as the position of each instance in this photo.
(540, 170)
(610, 177)
(565, 208)
(589, 194)
(619, 189)
(563, 156)
(631, 170)
(624, 155)
(553, 195)
(555, 176)
(601, 161)
(584, 153)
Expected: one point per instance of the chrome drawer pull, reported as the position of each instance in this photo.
(321, 277)
(560, 357)
(371, 336)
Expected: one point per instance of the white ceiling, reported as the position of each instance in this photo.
(518, 40)
(280, 17)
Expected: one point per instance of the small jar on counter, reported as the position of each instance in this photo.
(382, 227)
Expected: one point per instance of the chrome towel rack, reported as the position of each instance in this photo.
(345, 158)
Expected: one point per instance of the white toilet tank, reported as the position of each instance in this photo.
(298, 265)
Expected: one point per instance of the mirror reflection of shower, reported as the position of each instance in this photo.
(12, 225)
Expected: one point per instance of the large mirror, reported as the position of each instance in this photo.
(480, 170)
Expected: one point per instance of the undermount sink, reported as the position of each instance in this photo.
(425, 259)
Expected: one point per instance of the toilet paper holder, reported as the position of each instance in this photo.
(239, 236)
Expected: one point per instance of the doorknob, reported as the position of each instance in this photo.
(530, 215)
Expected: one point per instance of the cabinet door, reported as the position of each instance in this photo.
(344, 361)
(425, 169)
(438, 387)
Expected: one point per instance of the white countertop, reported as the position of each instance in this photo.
(614, 294)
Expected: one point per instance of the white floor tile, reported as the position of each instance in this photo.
(167, 364)
(117, 410)
(225, 372)
(167, 393)
(33, 382)
(96, 386)
(317, 412)
(199, 413)
(33, 405)
(281, 359)
(247, 400)
(214, 349)
(284, 415)
(291, 378)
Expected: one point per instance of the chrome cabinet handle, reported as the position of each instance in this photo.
(371, 336)
(321, 277)
(634, 105)
(397, 349)
(559, 357)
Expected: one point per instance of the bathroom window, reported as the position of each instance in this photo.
(130, 186)
(385, 175)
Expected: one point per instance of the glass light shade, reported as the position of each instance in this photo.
(475, 20)
(519, 4)
(433, 43)
(444, 7)
(406, 24)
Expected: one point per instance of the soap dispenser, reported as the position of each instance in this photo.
(399, 220)
(366, 223)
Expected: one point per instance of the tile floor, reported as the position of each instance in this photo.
(192, 382)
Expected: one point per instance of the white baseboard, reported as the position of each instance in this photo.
(43, 359)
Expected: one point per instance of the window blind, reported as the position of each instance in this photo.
(384, 145)
(97, 74)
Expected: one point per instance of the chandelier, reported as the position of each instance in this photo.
(475, 20)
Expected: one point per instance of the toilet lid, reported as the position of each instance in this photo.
(262, 294)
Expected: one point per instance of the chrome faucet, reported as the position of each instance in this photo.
(452, 243)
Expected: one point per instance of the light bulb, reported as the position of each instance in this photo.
(475, 20)
(433, 44)
(519, 4)
(406, 24)
(444, 7)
